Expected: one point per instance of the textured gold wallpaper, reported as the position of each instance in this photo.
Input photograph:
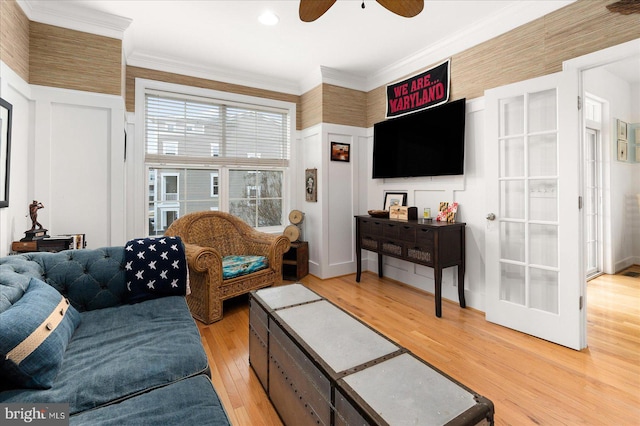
(77, 60)
(14, 38)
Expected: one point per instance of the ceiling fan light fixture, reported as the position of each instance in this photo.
(268, 18)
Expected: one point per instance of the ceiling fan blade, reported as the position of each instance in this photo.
(625, 7)
(406, 8)
(310, 10)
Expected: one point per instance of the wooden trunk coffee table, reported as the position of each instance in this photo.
(321, 366)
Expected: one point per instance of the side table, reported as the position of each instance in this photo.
(295, 262)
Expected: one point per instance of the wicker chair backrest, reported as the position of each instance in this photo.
(218, 230)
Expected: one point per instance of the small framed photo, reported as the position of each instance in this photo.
(622, 150)
(311, 185)
(340, 151)
(394, 199)
(622, 130)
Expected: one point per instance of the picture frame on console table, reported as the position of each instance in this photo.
(394, 198)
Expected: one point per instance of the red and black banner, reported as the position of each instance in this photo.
(424, 90)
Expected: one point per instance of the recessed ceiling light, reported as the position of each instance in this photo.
(269, 18)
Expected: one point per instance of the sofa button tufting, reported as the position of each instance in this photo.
(62, 312)
(49, 326)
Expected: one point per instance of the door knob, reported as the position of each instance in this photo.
(491, 216)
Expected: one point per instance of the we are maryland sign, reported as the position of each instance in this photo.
(424, 90)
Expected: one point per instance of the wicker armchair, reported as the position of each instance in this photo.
(208, 237)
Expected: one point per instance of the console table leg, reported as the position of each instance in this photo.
(438, 289)
(463, 303)
(379, 265)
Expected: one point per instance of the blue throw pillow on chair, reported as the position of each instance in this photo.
(34, 333)
(236, 266)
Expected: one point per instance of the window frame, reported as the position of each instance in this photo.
(140, 191)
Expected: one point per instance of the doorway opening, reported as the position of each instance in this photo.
(593, 186)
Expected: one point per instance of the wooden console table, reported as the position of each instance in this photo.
(438, 245)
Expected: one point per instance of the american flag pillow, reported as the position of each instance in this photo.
(155, 267)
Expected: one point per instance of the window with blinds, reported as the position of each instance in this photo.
(202, 154)
(189, 129)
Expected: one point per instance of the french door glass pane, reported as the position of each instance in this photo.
(512, 283)
(512, 199)
(543, 155)
(542, 111)
(512, 242)
(543, 245)
(543, 293)
(512, 157)
(543, 200)
(512, 116)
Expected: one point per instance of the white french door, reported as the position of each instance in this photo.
(533, 242)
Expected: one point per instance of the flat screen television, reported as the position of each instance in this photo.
(425, 143)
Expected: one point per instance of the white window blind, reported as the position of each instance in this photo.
(192, 130)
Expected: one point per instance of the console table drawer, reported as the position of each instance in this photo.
(391, 230)
(369, 243)
(425, 237)
(391, 247)
(422, 255)
(370, 227)
(407, 233)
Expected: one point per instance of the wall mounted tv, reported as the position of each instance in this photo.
(425, 143)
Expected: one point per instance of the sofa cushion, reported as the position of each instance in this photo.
(191, 401)
(10, 295)
(155, 267)
(14, 279)
(235, 266)
(34, 333)
(90, 279)
(123, 351)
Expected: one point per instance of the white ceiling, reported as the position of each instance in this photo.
(349, 46)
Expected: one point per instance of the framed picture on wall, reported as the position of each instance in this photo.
(622, 150)
(6, 110)
(311, 185)
(340, 151)
(392, 198)
(622, 130)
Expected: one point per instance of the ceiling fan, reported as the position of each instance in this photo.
(310, 10)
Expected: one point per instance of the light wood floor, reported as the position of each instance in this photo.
(529, 380)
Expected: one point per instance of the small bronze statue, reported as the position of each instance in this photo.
(33, 212)
(36, 232)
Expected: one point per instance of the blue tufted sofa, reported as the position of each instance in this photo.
(124, 364)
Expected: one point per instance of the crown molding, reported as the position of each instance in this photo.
(332, 76)
(241, 78)
(74, 17)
